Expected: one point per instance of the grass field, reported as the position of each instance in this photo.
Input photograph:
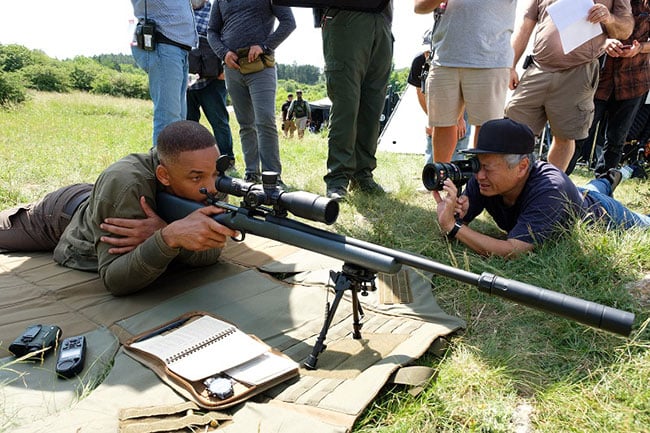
(513, 369)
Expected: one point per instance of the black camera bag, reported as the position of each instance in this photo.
(204, 61)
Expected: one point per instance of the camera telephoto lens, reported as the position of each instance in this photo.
(460, 171)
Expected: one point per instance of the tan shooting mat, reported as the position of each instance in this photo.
(246, 289)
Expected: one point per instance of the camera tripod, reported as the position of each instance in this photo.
(352, 277)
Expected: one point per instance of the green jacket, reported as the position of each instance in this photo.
(117, 193)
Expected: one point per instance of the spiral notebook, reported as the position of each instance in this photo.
(200, 348)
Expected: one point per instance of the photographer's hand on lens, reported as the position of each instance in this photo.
(198, 231)
(447, 205)
(131, 232)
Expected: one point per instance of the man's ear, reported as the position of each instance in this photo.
(523, 166)
(163, 175)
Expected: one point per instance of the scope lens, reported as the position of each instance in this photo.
(310, 206)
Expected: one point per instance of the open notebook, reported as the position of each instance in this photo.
(199, 347)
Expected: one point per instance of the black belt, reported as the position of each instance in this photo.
(74, 204)
(162, 39)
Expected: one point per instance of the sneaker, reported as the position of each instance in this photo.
(231, 167)
(626, 172)
(638, 171)
(337, 193)
(614, 177)
(368, 186)
(283, 186)
(252, 178)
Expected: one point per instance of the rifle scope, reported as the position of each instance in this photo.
(300, 203)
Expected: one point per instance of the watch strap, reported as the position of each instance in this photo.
(451, 234)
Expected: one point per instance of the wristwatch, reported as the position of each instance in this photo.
(451, 234)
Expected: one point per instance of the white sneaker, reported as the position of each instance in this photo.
(626, 172)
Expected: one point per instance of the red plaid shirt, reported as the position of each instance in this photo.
(628, 77)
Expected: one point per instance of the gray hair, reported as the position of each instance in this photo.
(514, 159)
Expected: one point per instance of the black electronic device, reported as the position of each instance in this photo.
(71, 356)
(145, 35)
(528, 61)
(35, 338)
(459, 171)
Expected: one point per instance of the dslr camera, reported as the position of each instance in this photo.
(145, 34)
(36, 337)
(459, 171)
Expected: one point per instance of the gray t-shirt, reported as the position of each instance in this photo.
(475, 34)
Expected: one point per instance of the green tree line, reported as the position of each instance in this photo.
(22, 69)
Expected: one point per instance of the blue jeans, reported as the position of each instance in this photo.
(212, 98)
(167, 67)
(253, 99)
(619, 216)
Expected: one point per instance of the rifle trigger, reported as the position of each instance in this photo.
(239, 239)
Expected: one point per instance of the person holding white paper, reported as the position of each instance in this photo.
(558, 87)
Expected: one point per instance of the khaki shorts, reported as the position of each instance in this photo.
(564, 98)
(481, 91)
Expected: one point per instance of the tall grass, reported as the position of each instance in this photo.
(512, 369)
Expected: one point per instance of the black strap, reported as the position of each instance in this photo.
(162, 39)
(457, 226)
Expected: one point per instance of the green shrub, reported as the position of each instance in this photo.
(15, 57)
(83, 72)
(122, 84)
(11, 90)
(50, 77)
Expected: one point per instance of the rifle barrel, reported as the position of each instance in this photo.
(382, 259)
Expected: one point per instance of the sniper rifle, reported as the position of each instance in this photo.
(264, 212)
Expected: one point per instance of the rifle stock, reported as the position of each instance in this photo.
(382, 259)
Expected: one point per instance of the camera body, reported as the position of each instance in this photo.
(145, 34)
(35, 337)
(459, 171)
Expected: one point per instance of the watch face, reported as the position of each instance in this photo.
(220, 388)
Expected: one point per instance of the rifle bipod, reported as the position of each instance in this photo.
(357, 279)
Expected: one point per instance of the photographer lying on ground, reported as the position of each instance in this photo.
(531, 200)
(112, 227)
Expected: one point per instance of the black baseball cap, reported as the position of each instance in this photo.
(504, 136)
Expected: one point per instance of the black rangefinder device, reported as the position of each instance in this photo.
(36, 337)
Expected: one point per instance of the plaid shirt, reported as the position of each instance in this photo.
(202, 18)
(628, 77)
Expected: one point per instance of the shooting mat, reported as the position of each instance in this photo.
(245, 288)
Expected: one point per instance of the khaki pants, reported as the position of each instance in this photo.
(289, 127)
